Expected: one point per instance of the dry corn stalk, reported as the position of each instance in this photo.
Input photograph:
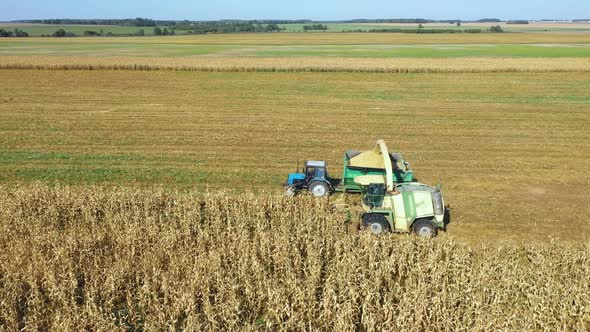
(305, 64)
(76, 258)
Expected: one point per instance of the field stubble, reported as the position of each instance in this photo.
(511, 150)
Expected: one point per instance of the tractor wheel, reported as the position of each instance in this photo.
(319, 189)
(425, 228)
(376, 223)
(290, 191)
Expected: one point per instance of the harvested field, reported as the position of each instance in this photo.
(129, 259)
(447, 51)
(511, 149)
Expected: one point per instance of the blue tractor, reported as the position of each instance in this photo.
(313, 178)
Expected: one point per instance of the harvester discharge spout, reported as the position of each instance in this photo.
(387, 163)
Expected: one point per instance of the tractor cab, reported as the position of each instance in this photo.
(315, 170)
(313, 178)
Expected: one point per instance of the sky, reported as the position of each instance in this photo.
(296, 9)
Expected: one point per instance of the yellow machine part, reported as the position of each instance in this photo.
(376, 158)
(365, 180)
(368, 159)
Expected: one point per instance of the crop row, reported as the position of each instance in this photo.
(306, 64)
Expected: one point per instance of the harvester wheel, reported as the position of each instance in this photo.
(425, 228)
(376, 223)
(319, 189)
(290, 191)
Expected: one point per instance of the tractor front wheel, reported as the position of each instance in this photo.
(425, 228)
(290, 191)
(319, 189)
(376, 223)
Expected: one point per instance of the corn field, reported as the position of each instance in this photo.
(305, 64)
(94, 258)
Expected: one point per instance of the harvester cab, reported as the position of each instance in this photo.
(402, 208)
(313, 178)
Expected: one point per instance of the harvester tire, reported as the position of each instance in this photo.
(319, 189)
(376, 223)
(425, 228)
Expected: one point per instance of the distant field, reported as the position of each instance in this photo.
(112, 47)
(48, 29)
(532, 27)
(292, 45)
(347, 27)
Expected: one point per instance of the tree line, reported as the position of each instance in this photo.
(146, 22)
(200, 28)
(138, 22)
(226, 27)
(319, 27)
(15, 33)
(518, 22)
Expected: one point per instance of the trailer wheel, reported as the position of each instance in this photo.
(376, 223)
(425, 228)
(319, 189)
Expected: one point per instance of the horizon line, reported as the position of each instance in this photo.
(299, 19)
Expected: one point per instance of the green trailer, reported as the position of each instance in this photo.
(357, 163)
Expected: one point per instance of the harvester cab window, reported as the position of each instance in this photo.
(376, 189)
(374, 195)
